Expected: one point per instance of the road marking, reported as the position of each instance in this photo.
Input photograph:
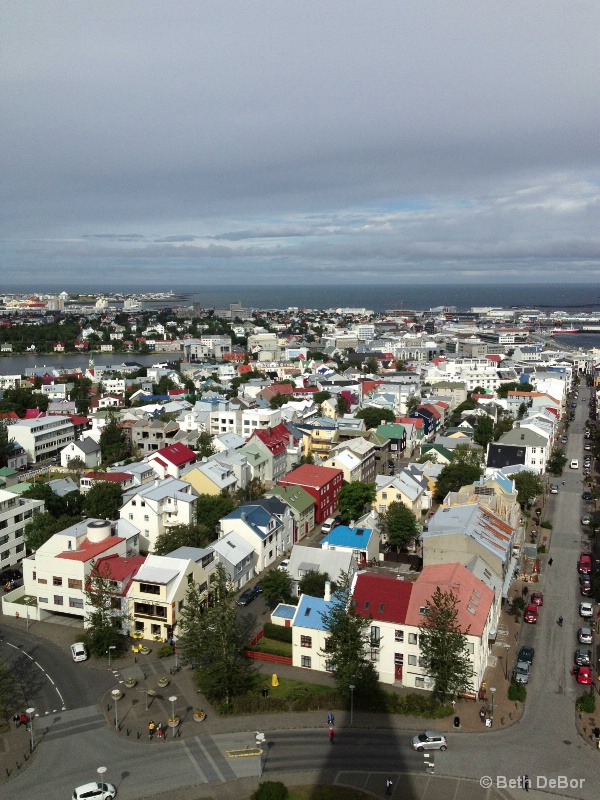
(208, 756)
(39, 666)
(194, 762)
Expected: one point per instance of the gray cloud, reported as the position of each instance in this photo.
(346, 140)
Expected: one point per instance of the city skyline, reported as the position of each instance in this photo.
(271, 143)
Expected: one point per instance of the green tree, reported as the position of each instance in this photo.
(342, 404)
(104, 616)
(373, 417)
(466, 454)
(453, 476)
(400, 524)
(412, 404)
(80, 394)
(183, 536)
(277, 587)
(355, 499)
(54, 505)
(212, 508)
(252, 491)
(557, 461)
(6, 444)
(103, 501)
(19, 400)
(371, 366)
(528, 486)
(444, 647)
(76, 463)
(279, 400)
(504, 425)
(320, 397)
(313, 583)
(43, 526)
(347, 645)
(113, 443)
(213, 640)
(8, 691)
(514, 386)
(205, 445)
(484, 432)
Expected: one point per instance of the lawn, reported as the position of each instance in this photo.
(273, 647)
(290, 689)
(325, 792)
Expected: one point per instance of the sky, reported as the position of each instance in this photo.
(189, 143)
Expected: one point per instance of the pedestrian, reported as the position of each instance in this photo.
(388, 787)
(23, 718)
(151, 728)
(331, 735)
(526, 782)
(330, 718)
(549, 562)
(453, 703)
(17, 720)
(159, 730)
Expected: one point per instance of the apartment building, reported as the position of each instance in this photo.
(42, 437)
(15, 513)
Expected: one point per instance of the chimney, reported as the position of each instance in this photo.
(327, 597)
(382, 422)
(243, 516)
(351, 525)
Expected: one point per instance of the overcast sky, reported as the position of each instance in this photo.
(175, 143)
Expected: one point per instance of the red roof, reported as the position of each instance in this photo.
(442, 404)
(495, 358)
(120, 568)
(416, 421)
(311, 475)
(431, 409)
(244, 368)
(370, 386)
(10, 415)
(177, 454)
(281, 388)
(88, 550)
(275, 439)
(381, 597)
(33, 413)
(111, 477)
(76, 420)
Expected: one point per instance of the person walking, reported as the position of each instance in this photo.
(151, 728)
(549, 562)
(330, 718)
(331, 735)
(526, 782)
(388, 787)
(159, 730)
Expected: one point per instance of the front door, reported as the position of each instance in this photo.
(398, 665)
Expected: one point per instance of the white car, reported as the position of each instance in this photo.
(586, 610)
(574, 464)
(284, 564)
(79, 652)
(554, 490)
(94, 791)
(430, 740)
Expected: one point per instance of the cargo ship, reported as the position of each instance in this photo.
(564, 330)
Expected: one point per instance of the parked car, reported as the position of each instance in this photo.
(11, 574)
(586, 610)
(79, 652)
(583, 675)
(521, 672)
(247, 596)
(284, 564)
(531, 613)
(583, 657)
(574, 464)
(554, 489)
(586, 588)
(586, 496)
(585, 636)
(537, 598)
(526, 653)
(585, 520)
(430, 740)
(329, 524)
(585, 563)
(94, 791)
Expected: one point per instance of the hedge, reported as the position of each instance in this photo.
(278, 632)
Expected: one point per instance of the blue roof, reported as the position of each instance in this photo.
(256, 517)
(284, 612)
(343, 536)
(309, 613)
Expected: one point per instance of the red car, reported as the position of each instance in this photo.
(531, 613)
(537, 598)
(585, 563)
(583, 675)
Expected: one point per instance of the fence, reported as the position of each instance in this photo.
(268, 657)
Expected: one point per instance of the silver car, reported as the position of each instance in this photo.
(94, 791)
(430, 740)
(521, 673)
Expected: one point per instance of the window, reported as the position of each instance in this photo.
(421, 661)
(374, 654)
(399, 636)
(56, 581)
(306, 641)
(75, 602)
(412, 661)
(155, 630)
(42, 580)
(58, 600)
(131, 516)
(146, 518)
(180, 605)
(420, 683)
(42, 599)
(375, 636)
(470, 647)
(33, 575)
(149, 588)
(328, 666)
(412, 638)
(306, 661)
(75, 584)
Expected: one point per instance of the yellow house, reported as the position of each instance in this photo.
(211, 477)
(398, 489)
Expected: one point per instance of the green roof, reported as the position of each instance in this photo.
(18, 488)
(7, 472)
(437, 448)
(295, 496)
(391, 431)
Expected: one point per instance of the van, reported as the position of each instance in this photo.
(574, 464)
(329, 524)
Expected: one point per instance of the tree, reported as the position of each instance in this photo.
(80, 394)
(444, 647)
(279, 400)
(313, 583)
(556, 462)
(412, 404)
(8, 691)
(453, 476)
(113, 443)
(504, 425)
(465, 454)
(252, 491)
(347, 646)
(277, 587)
(205, 445)
(484, 432)
(104, 616)
(19, 400)
(373, 417)
(320, 397)
(354, 499)
(342, 404)
(371, 365)
(212, 508)
(183, 536)
(76, 463)
(514, 386)
(43, 526)
(103, 501)
(212, 639)
(528, 486)
(400, 524)
(6, 444)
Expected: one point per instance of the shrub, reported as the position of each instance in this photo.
(586, 703)
(164, 651)
(517, 692)
(278, 632)
(542, 548)
(416, 705)
(270, 790)
(546, 524)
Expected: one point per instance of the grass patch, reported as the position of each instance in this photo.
(26, 600)
(324, 792)
(272, 647)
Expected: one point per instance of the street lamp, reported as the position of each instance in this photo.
(30, 712)
(110, 647)
(101, 771)
(116, 693)
(172, 700)
(352, 687)
(493, 693)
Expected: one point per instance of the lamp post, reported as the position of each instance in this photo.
(29, 712)
(172, 700)
(116, 693)
(101, 771)
(352, 687)
(493, 693)
(110, 647)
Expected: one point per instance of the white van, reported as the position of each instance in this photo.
(574, 464)
(328, 525)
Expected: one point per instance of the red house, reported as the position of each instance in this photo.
(322, 483)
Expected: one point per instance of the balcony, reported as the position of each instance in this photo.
(148, 611)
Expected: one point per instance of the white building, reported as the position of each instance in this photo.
(15, 513)
(43, 437)
(153, 508)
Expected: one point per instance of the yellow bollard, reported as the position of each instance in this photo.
(274, 680)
